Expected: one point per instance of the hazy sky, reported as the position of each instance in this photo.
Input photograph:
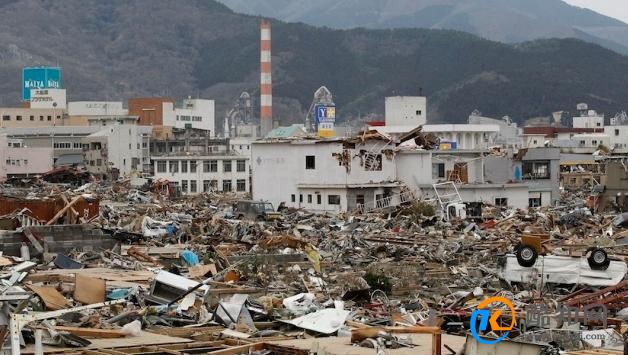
(613, 8)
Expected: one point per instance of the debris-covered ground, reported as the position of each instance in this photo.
(106, 268)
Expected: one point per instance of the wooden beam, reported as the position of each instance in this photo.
(64, 210)
(93, 332)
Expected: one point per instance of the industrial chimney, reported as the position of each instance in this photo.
(266, 80)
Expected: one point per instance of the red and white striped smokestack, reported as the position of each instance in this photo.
(266, 80)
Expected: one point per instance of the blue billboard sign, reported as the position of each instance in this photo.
(325, 114)
(39, 78)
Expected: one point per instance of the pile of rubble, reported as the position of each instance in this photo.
(109, 268)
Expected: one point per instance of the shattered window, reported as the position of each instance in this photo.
(184, 166)
(161, 166)
(184, 185)
(226, 166)
(536, 170)
(206, 186)
(319, 199)
(333, 199)
(192, 185)
(293, 198)
(372, 162)
(226, 185)
(534, 202)
(501, 202)
(192, 166)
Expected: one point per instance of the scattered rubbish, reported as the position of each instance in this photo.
(163, 273)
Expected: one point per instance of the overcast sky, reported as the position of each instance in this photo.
(613, 8)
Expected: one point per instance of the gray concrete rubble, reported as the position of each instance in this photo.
(114, 268)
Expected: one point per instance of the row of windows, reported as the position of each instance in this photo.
(209, 166)
(372, 162)
(97, 162)
(17, 162)
(212, 185)
(67, 145)
(331, 199)
(31, 118)
(189, 118)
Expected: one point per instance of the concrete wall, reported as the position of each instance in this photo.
(59, 239)
(500, 170)
(406, 110)
(517, 194)
(27, 161)
(149, 110)
(588, 122)
(618, 136)
(96, 108)
(414, 168)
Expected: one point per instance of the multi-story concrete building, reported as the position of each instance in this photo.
(65, 141)
(15, 117)
(510, 135)
(19, 160)
(117, 150)
(159, 111)
(193, 113)
(378, 173)
(197, 173)
(587, 118)
(322, 175)
(465, 136)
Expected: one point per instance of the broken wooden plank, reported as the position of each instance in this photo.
(92, 332)
(51, 297)
(89, 290)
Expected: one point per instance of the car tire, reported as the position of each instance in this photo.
(598, 259)
(526, 256)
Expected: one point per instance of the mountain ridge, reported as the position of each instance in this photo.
(498, 20)
(118, 49)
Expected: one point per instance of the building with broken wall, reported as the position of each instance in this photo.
(479, 177)
(540, 171)
(326, 175)
(307, 172)
(116, 150)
